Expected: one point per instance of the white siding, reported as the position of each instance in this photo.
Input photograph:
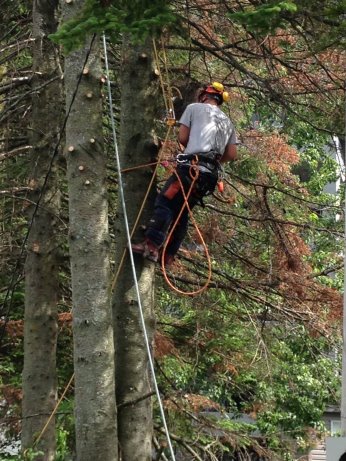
(318, 454)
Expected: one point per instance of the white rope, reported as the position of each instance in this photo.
(120, 182)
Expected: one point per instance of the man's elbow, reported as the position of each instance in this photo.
(230, 154)
(182, 141)
(183, 135)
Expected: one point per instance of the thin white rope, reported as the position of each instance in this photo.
(121, 189)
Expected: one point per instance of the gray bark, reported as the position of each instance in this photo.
(41, 266)
(95, 408)
(138, 106)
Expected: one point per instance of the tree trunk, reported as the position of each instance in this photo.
(95, 408)
(41, 266)
(133, 380)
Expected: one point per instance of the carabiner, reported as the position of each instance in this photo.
(181, 160)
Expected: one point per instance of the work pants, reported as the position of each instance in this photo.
(170, 202)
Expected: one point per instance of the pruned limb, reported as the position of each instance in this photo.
(15, 190)
(183, 443)
(159, 447)
(13, 152)
(135, 401)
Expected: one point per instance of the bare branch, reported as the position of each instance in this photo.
(14, 152)
(14, 83)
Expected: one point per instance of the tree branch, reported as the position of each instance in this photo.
(135, 401)
(14, 152)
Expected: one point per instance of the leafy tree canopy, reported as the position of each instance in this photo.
(267, 16)
(138, 18)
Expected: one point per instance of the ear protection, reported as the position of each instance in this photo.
(216, 89)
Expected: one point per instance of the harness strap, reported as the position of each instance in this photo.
(209, 160)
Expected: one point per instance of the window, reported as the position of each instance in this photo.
(335, 429)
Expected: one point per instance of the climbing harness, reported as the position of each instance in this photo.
(208, 161)
(195, 163)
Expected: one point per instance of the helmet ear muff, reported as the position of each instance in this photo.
(225, 96)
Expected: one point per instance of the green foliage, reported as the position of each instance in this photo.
(282, 375)
(266, 17)
(137, 18)
(225, 350)
(31, 454)
(11, 365)
(273, 14)
(302, 383)
(16, 299)
(65, 431)
(246, 167)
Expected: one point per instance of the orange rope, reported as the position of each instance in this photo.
(126, 170)
(168, 101)
(165, 99)
(194, 177)
(142, 206)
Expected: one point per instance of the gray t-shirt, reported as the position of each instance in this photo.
(210, 128)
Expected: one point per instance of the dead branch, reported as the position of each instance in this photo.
(15, 190)
(18, 45)
(183, 443)
(13, 152)
(135, 401)
(159, 447)
(278, 221)
(14, 83)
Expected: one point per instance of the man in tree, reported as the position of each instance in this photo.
(209, 139)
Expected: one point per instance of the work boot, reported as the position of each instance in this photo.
(147, 249)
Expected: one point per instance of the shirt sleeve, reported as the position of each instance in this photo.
(186, 118)
(233, 138)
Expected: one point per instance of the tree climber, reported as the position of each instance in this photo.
(209, 139)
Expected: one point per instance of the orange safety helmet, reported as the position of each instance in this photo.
(215, 90)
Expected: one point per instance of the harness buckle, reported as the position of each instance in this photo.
(170, 121)
(182, 158)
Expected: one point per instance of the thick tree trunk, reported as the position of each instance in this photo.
(95, 408)
(136, 147)
(41, 267)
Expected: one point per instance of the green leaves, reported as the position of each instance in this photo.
(266, 18)
(139, 19)
(300, 386)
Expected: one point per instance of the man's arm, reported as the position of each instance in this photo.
(183, 135)
(230, 153)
